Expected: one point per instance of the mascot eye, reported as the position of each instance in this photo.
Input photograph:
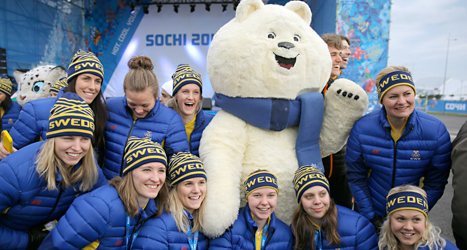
(296, 38)
(271, 35)
(37, 87)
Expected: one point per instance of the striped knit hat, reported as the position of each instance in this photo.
(61, 83)
(85, 62)
(140, 151)
(307, 177)
(260, 179)
(5, 85)
(71, 116)
(183, 166)
(185, 75)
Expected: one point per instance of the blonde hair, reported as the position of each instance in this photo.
(172, 103)
(389, 70)
(129, 196)
(48, 163)
(141, 76)
(176, 209)
(431, 238)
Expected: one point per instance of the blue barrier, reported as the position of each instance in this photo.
(459, 107)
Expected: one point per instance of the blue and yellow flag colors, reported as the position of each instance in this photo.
(407, 200)
(5, 85)
(306, 177)
(260, 179)
(185, 75)
(392, 80)
(184, 166)
(140, 151)
(61, 83)
(71, 116)
(85, 62)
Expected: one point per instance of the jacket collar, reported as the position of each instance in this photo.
(149, 210)
(384, 120)
(60, 177)
(250, 223)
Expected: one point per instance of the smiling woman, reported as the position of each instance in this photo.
(257, 226)
(187, 99)
(318, 223)
(85, 76)
(42, 179)
(397, 144)
(407, 226)
(180, 226)
(112, 216)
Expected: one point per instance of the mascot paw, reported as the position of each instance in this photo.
(345, 102)
(349, 97)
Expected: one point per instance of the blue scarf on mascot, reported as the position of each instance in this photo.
(306, 111)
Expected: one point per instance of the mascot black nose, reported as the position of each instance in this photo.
(286, 45)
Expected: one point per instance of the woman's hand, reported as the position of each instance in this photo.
(3, 152)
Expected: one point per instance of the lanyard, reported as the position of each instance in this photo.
(192, 240)
(128, 235)
(318, 240)
(264, 236)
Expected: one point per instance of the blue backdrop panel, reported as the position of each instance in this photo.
(39, 32)
(109, 26)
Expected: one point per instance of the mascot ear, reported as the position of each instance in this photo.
(57, 73)
(18, 74)
(302, 9)
(246, 7)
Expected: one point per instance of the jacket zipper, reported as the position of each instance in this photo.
(394, 162)
(56, 202)
(194, 131)
(269, 238)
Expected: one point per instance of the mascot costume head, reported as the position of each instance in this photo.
(35, 83)
(268, 68)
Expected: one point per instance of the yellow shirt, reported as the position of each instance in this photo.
(189, 127)
(314, 224)
(396, 135)
(259, 235)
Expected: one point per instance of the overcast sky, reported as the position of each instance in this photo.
(419, 34)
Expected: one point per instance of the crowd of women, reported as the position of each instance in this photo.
(87, 173)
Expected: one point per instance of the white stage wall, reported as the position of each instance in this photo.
(169, 39)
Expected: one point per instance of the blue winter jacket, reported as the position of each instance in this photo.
(356, 232)
(32, 122)
(449, 246)
(96, 220)
(202, 121)
(10, 116)
(375, 163)
(242, 234)
(25, 199)
(162, 233)
(161, 124)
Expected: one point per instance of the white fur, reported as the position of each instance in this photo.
(340, 113)
(26, 81)
(241, 62)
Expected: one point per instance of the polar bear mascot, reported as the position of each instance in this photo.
(35, 83)
(268, 68)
